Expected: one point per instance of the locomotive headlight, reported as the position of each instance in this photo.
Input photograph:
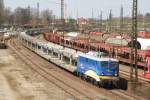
(116, 74)
(102, 74)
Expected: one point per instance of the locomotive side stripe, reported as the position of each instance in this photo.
(92, 74)
(108, 77)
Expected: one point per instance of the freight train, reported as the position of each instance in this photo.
(97, 68)
(122, 53)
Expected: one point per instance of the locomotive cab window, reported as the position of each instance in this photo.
(86, 60)
(114, 65)
(104, 64)
(107, 64)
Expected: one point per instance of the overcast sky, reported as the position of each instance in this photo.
(84, 7)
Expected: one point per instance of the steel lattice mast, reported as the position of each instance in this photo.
(121, 21)
(110, 21)
(134, 69)
(101, 21)
(62, 9)
(1, 4)
(1, 7)
(1, 11)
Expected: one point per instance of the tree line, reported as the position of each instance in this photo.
(22, 16)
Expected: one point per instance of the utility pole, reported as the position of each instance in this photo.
(121, 24)
(77, 14)
(134, 70)
(2, 12)
(65, 11)
(62, 10)
(38, 12)
(101, 21)
(107, 25)
(92, 20)
(110, 21)
(29, 13)
(63, 21)
(2, 6)
(121, 21)
(92, 14)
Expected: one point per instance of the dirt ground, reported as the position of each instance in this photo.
(18, 82)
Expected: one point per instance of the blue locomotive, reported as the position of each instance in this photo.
(100, 71)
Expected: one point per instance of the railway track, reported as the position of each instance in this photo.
(50, 76)
(142, 81)
(76, 94)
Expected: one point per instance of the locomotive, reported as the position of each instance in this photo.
(98, 69)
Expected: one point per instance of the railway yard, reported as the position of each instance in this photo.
(28, 76)
(47, 54)
(24, 80)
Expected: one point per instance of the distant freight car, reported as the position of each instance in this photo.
(123, 53)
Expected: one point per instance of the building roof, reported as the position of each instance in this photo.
(73, 34)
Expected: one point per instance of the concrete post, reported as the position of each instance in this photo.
(27, 44)
(148, 64)
(47, 51)
(21, 39)
(52, 52)
(70, 60)
(35, 47)
(31, 45)
(61, 57)
(116, 53)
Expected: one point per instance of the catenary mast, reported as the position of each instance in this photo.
(134, 69)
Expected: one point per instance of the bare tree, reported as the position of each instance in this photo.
(1, 12)
(47, 17)
(9, 18)
(22, 16)
(147, 21)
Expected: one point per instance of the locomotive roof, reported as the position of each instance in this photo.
(97, 58)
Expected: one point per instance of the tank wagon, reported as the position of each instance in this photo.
(101, 71)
